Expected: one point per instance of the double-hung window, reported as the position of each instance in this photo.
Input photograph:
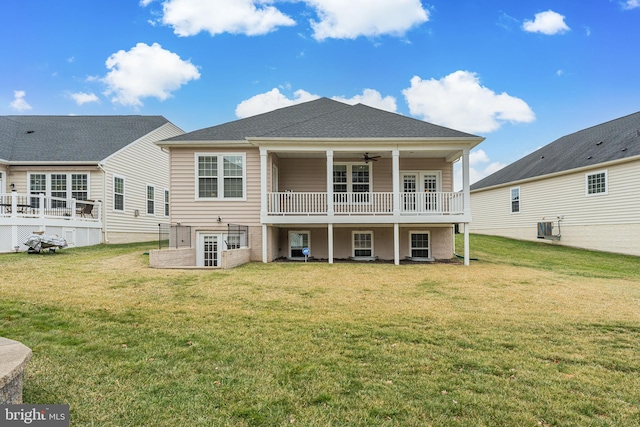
(352, 178)
(362, 243)
(220, 176)
(420, 244)
(151, 200)
(166, 202)
(59, 186)
(118, 193)
(515, 200)
(596, 183)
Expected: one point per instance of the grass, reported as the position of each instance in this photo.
(528, 335)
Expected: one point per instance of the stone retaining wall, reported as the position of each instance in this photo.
(14, 357)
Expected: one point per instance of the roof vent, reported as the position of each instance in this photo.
(590, 157)
(30, 131)
(624, 149)
(598, 143)
(542, 157)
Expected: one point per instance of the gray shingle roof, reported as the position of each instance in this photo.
(323, 118)
(613, 140)
(70, 138)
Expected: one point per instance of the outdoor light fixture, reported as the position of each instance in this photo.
(219, 219)
(13, 186)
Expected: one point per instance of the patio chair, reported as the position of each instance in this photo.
(86, 209)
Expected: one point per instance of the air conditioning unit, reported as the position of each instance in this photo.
(545, 230)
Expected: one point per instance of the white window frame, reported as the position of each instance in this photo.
(411, 248)
(353, 243)
(511, 200)
(166, 205)
(147, 199)
(220, 176)
(124, 192)
(68, 181)
(307, 232)
(353, 199)
(606, 183)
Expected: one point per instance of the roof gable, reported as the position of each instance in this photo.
(609, 141)
(70, 138)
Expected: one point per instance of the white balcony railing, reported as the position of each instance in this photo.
(16, 205)
(303, 203)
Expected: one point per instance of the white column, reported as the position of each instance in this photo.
(396, 244)
(396, 180)
(263, 184)
(330, 242)
(265, 252)
(465, 183)
(466, 243)
(330, 184)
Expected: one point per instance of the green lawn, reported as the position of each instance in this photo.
(529, 335)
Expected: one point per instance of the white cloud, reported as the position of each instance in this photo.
(84, 98)
(340, 19)
(460, 102)
(145, 3)
(250, 17)
(478, 168)
(19, 102)
(372, 98)
(631, 4)
(146, 71)
(270, 101)
(548, 23)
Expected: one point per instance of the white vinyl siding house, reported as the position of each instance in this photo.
(594, 205)
(111, 173)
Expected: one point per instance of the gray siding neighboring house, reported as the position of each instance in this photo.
(582, 188)
(69, 160)
(299, 177)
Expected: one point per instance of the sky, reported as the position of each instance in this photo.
(519, 73)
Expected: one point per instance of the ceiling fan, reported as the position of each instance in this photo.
(368, 158)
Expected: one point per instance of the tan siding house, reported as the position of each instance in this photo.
(584, 185)
(320, 179)
(58, 176)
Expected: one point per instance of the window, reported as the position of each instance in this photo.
(37, 185)
(298, 240)
(515, 200)
(59, 186)
(354, 178)
(118, 193)
(166, 202)
(151, 199)
(419, 245)
(363, 243)
(597, 183)
(220, 176)
(79, 186)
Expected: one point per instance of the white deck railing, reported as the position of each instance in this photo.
(16, 205)
(306, 203)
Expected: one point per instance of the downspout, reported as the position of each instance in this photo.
(103, 206)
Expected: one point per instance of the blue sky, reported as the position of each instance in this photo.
(520, 73)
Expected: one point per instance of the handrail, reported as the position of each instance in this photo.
(370, 203)
(18, 205)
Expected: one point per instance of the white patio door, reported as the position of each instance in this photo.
(208, 250)
(419, 190)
